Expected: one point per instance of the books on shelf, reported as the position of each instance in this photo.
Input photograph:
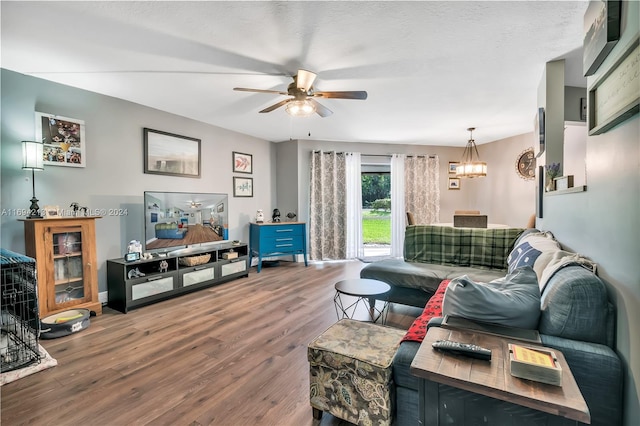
(535, 363)
(500, 330)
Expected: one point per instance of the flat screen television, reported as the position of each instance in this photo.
(183, 220)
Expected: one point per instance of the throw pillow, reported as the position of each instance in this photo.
(535, 249)
(512, 301)
(432, 309)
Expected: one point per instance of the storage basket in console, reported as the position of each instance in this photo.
(195, 260)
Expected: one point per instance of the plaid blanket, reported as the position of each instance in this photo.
(474, 247)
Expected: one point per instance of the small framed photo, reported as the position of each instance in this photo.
(242, 187)
(452, 167)
(51, 212)
(242, 163)
(220, 208)
(454, 183)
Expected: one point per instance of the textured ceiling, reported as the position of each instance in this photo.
(431, 69)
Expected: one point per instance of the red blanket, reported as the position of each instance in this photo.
(433, 308)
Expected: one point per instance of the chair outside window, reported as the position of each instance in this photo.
(467, 212)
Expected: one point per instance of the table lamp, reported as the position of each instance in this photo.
(33, 159)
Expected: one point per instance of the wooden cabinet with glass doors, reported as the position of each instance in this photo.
(66, 263)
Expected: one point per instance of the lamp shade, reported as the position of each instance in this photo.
(300, 108)
(32, 155)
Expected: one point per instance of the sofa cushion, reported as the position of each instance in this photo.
(535, 249)
(473, 247)
(575, 306)
(433, 308)
(513, 300)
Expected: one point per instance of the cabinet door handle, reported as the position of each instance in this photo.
(284, 230)
(200, 268)
(284, 245)
(284, 239)
(157, 277)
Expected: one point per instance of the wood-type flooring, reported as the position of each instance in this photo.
(233, 354)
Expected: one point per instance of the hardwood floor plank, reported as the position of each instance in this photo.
(234, 354)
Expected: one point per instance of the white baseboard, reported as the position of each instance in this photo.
(103, 297)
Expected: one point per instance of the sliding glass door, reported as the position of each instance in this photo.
(376, 209)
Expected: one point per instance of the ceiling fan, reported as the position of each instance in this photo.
(302, 102)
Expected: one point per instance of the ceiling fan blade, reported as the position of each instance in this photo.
(276, 106)
(342, 95)
(305, 79)
(244, 89)
(321, 110)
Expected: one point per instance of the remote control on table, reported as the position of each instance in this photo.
(465, 349)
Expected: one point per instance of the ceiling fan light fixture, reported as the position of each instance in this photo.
(300, 108)
(470, 166)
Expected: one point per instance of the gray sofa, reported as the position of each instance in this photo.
(576, 316)
(435, 253)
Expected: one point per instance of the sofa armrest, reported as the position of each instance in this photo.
(598, 373)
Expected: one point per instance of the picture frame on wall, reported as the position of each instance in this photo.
(452, 167)
(454, 183)
(63, 138)
(171, 154)
(615, 96)
(242, 187)
(602, 32)
(242, 163)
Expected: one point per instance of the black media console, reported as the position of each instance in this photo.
(143, 282)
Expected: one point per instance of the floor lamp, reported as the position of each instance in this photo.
(33, 159)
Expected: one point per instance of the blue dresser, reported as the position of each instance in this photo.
(278, 239)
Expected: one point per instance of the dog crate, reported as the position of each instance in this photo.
(19, 319)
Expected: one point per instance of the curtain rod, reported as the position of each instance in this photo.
(378, 155)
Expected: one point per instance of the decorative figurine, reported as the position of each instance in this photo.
(291, 216)
(259, 216)
(276, 216)
(164, 266)
(74, 208)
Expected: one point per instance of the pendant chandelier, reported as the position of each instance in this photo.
(470, 166)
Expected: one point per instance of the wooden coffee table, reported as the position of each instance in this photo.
(467, 388)
(364, 290)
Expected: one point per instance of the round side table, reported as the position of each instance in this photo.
(365, 291)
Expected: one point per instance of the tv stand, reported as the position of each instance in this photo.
(146, 281)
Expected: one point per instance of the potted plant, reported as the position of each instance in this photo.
(553, 171)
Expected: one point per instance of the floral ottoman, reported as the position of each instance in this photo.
(351, 375)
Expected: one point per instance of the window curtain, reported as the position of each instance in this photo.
(422, 188)
(328, 206)
(354, 242)
(398, 212)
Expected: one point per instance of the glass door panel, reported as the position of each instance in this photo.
(68, 266)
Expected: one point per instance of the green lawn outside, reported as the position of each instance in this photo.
(376, 227)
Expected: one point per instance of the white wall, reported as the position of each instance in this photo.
(114, 178)
(503, 195)
(603, 223)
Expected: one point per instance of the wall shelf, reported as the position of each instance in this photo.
(581, 188)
